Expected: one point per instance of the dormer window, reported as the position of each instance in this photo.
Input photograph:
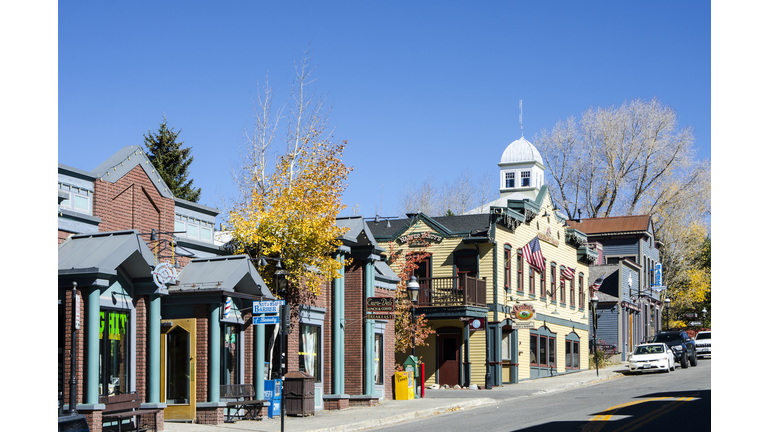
(525, 179)
(78, 199)
(195, 229)
(509, 179)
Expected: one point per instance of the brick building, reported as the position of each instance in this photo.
(175, 342)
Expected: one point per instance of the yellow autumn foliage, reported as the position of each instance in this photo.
(293, 217)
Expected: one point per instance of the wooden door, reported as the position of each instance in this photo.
(448, 360)
(177, 372)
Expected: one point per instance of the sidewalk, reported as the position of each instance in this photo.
(392, 412)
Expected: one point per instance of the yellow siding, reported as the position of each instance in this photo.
(477, 357)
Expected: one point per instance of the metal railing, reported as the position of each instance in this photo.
(460, 290)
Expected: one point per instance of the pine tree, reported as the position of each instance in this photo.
(171, 161)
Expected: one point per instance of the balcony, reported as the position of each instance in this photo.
(460, 290)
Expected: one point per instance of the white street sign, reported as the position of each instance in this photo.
(267, 307)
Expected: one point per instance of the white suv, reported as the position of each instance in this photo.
(703, 343)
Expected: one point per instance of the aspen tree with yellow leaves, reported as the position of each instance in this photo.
(287, 212)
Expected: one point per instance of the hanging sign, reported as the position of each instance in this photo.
(380, 304)
(474, 323)
(267, 307)
(164, 274)
(523, 315)
(378, 316)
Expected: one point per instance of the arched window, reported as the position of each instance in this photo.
(531, 281)
(507, 267)
(552, 281)
(543, 285)
(562, 285)
(543, 351)
(520, 271)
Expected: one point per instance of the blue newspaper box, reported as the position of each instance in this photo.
(273, 393)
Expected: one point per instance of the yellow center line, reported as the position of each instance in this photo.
(610, 412)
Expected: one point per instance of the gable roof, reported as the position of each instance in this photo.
(126, 159)
(102, 253)
(229, 273)
(640, 224)
(449, 226)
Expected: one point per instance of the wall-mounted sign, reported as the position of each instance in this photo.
(547, 237)
(164, 274)
(380, 304)
(523, 312)
(474, 323)
(420, 239)
(523, 315)
(377, 316)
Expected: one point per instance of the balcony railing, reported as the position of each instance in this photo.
(460, 290)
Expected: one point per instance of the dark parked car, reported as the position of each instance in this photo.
(682, 346)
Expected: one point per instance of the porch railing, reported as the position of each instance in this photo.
(460, 290)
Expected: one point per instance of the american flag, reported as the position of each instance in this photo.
(532, 254)
(568, 273)
(596, 284)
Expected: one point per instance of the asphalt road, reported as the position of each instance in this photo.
(679, 400)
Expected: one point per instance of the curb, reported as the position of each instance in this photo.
(472, 403)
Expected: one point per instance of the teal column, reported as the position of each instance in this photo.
(154, 349)
(258, 357)
(369, 338)
(338, 330)
(214, 357)
(92, 341)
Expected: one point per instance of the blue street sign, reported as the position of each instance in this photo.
(658, 275)
(258, 320)
(267, 307)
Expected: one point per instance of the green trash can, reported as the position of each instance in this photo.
(411, 364)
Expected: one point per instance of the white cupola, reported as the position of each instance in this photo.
(521, 171)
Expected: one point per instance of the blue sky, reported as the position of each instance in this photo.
(430, 88)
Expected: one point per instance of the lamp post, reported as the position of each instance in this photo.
(704, 316)
(593, 301)
(667, 301)
(413, 295)
(285, 311)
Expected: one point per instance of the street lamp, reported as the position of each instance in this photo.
(667, 301)
(594, 301)
(704, 313)
(413, 295)
(281, 285)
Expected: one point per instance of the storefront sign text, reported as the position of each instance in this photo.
(420, 239)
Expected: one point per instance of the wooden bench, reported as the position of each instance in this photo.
(119, 407)
(243, 395)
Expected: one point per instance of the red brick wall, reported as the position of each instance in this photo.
(354, 303)
(64, 235)
(132, 202)
(142, 347)
(201, 313)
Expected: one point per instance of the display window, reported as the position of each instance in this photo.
(113, 349)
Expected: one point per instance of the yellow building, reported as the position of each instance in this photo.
(499, 319)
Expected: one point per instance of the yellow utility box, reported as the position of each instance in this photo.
(404, 386)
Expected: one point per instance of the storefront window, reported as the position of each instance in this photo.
(113, 348)
(378, 361)
(229, 354)
(309, 350)
(543, 349)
